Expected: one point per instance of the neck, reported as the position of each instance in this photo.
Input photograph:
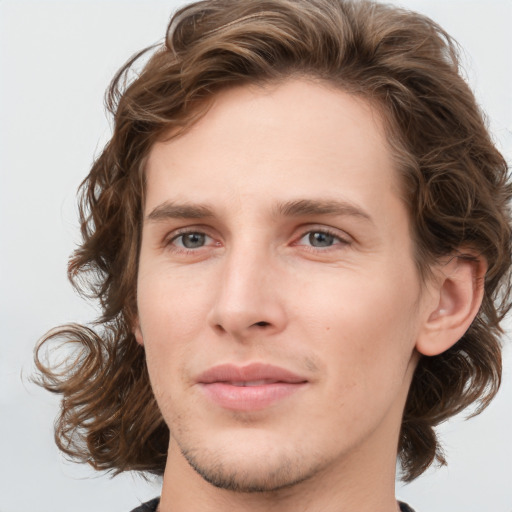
(362, 482)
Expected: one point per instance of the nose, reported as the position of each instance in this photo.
(248, 302)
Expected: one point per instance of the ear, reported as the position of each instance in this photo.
(458, 292)
(138, 332)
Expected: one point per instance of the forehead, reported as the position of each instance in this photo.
(277, 142)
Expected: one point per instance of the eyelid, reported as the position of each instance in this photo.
(169, 238)
(341, 236)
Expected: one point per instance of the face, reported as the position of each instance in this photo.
(278, 299)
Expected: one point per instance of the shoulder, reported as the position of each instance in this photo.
(149, 506)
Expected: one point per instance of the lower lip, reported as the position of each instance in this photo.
(249, 398)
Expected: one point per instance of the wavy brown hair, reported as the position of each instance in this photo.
(456, 185)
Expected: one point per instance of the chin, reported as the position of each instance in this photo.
(262, 469)
(243, 479)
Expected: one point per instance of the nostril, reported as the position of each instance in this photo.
(261, 324)
(219, 328)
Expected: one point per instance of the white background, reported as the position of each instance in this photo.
(56, 60)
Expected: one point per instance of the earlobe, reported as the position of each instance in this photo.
(138, 332)
(458, 292)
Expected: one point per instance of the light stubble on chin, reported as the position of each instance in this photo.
(215, 472)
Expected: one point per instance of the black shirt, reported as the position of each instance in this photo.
(150, 506)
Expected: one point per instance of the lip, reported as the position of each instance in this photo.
(251, 387)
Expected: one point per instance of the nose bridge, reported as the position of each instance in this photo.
(247, 300)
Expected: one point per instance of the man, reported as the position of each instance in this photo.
(300, 239)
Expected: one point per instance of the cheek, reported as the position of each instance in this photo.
(172, 314)
(364, 308)
(364, 328)
(364, 348)
(171, 305)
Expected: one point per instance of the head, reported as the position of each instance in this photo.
(398, 73)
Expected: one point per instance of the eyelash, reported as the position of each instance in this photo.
(169, 242)
(338, 240)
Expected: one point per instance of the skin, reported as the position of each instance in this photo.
(333, 296)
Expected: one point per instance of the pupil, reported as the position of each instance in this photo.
(318, 239)
(193, 240)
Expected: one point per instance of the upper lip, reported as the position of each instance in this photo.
(250, 372)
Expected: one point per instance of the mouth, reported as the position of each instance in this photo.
(249, 388)
(250, 383)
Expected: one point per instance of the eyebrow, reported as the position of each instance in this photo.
(172, 210)
(296, 208)
(303, 207)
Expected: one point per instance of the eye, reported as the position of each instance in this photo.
(321, 239)
(191, 240)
